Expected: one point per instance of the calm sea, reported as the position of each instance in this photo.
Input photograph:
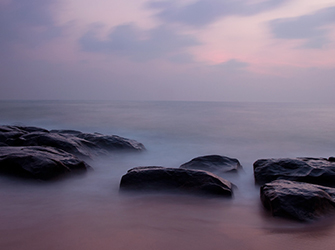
(88, 212)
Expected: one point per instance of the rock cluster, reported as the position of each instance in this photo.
(37, 153)
(196, 176)
(299, 188)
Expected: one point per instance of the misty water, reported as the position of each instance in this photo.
(88, 212)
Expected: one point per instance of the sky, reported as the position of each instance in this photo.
(186, 50)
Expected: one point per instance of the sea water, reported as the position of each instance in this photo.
(88, 212)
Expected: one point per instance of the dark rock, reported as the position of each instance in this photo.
(70, 144)
(300, 201)
(5, 129)
(332, 159)
(174, 179)
(41, 154)
(21, 129)
(8, 133)
(311, 170)
(38, 162)
(108, 142)
(65, 131)
(71, 141)
(213, 163)
(30, 129)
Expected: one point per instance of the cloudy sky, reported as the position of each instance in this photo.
(192, 50)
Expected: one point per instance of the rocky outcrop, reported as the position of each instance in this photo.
(175, 180)
(214, 163)
(311, 170)
(297, 200)
(71, 141)
(36, 162)
(106, 142)
(37, 153)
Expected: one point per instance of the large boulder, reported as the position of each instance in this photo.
(71, 141)
(213, 163)
(297, 200)
(311, 170)
(176, 180)
(38, 162)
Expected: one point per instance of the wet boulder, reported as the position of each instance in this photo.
(214, 163)
(175, 180)
(297, 200)
(36, 162)
(319, 171)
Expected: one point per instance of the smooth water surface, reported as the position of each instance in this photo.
(88, 212)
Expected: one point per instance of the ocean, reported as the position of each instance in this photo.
(89, 212)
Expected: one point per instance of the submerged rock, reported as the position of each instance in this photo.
(300, 201)
(311, 170)
(175, 179)
(38, 162)
(213, 163)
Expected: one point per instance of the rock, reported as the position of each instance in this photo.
(70, 144)
(213, 163)
(21, 129)
(175, 179)
(71, 141)
(41, 154)
(300, 201)
(38, 162)
(311, 170)
(8, 133)
(108, 142)
(30, 129)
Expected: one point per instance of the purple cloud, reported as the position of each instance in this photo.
(232, 64)
(27, 22)
(204, 12)
(311, 28)
(139, 45)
